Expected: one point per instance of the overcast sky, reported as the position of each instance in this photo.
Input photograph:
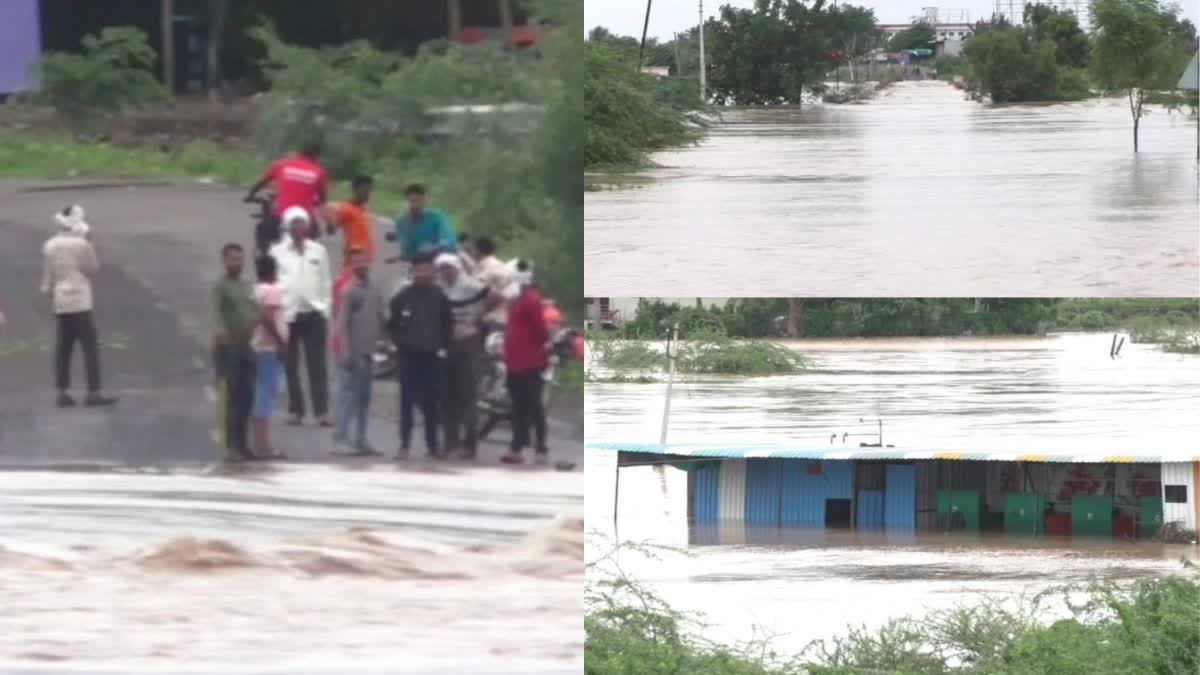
(667, 17)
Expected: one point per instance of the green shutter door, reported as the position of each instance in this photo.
(1023, 513)
(960, 505)
(1150, 517)
(1092, 516)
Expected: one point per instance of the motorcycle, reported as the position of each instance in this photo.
(494, 401)
(267, 231)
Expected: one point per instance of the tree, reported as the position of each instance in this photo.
(1140, 46)
(795, 322)
(778, 50)
(167, 26)
(920, 36)
(1062, 28)
(1034, 62)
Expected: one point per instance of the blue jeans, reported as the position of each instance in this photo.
(353, 401)
(268, 368)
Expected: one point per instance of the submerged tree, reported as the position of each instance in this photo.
(1141, 46)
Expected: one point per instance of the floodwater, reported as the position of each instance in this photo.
(1040, 395)
(918, 193)
(809, 584)
(308, 569)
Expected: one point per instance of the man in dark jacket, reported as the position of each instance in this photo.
(421, 324)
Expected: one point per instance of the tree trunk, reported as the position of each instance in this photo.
(168, 45)
(506, 22)
(218, 10)
(454, 9)
(795, 321)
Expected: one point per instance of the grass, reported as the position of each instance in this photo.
(1148, 626)
(57, 155)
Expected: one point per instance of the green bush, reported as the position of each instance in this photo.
(512, 173)
(625, 115)
(1147, 626)
(113, 74)
(1093, 320)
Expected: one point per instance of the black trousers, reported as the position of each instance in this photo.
(237, 371)
(72, 328)
(420, 387)
(525, 389)
(307, 333)
(266, 234)
(462, 394)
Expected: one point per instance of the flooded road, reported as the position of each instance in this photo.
(310, 569)
(916, 194)
(1060, 393)
(999, 393)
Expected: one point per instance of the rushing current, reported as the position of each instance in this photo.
(918, 193)
(303, 569)
(1062, 392)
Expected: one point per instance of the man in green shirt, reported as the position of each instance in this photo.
(234, 317)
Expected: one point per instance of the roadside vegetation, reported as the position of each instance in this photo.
(628, 113)
(1147, 626)
(514, 177)
(1147, 319)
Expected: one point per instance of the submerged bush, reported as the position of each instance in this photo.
(1148, 626)
(705, 351)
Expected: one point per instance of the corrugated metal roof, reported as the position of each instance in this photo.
(777, 451)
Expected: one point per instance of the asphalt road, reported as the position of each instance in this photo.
(159, 249)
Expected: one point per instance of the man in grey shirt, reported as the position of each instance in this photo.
(358, 322)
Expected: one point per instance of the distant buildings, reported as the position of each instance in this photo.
(942, 31)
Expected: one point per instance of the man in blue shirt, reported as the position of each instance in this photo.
(422, 231)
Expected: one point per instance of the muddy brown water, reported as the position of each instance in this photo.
(919, 193)
(805, 584)
(298, 570)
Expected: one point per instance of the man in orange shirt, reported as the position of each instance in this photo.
(354, 220)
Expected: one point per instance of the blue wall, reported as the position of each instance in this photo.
(762, 491)
(870, 509)
(900, 497)
(20, 43)
(705, 487)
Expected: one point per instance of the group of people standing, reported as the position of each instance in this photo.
(297, 313)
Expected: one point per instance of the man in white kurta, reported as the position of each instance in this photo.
(304, 274)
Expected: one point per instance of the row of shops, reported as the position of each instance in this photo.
(891, 490)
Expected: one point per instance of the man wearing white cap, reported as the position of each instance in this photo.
(69, 262)
(304, 274)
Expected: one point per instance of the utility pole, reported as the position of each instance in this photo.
(645, 27)
(672, 346)
(703, 72)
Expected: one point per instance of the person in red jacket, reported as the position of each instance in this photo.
(525, 359)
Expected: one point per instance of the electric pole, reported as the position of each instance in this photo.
(703, 72)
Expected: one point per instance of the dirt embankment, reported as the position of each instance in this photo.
(170, 125)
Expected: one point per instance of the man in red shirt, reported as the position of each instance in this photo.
(525, 358)
(299, 180)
